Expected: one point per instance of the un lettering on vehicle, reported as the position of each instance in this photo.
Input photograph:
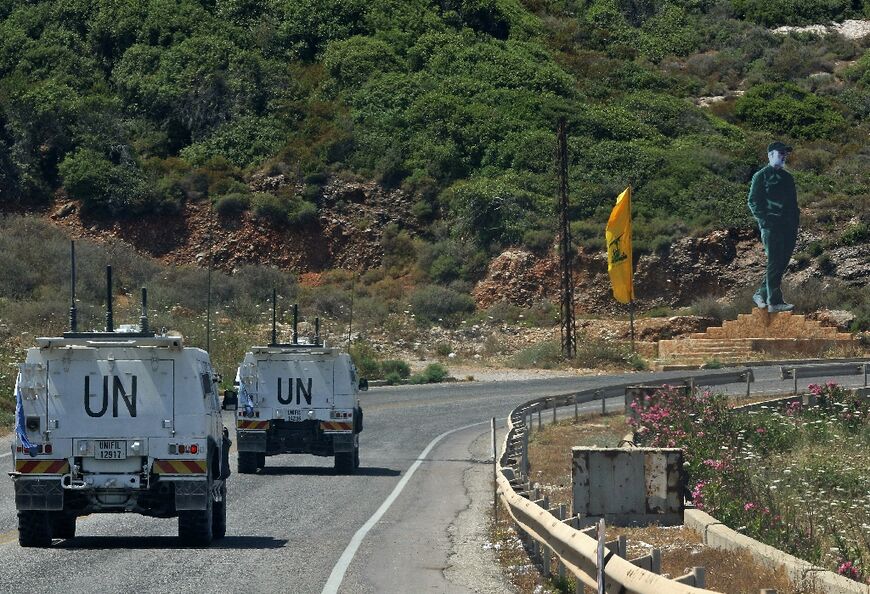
(119, 393)
(302, 390)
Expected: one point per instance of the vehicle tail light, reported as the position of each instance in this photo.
(193, 449)
(182, 448)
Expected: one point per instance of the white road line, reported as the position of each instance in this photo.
(337, 575)
(6, 454)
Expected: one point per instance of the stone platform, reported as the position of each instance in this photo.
(754, 334)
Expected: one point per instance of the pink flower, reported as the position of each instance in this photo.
(760, 430)
(748, 506)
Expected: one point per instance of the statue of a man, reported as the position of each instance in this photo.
(773, 202)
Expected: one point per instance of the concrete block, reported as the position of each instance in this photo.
(628, 487)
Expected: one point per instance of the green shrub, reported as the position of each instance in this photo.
(433, 303)
(433, 373)
(855, 234)
(232, 205)
(301, 213)
(395, 366)
(442, 349)
(713, 308)
(365, 358)
(543, 355)
(270, 208)
(393, 378)
(826, 264)
(787, 109)
(538, 241)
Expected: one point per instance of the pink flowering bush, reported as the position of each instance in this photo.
(795, 477)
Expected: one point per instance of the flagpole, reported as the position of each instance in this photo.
(631, 321)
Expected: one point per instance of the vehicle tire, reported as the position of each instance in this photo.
(344, 463)
(34, 529)
(247, 462)
(261, 460)
(63, 525)
(195, 525)
(219, 515)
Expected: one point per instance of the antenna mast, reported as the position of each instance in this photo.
(73, 311)
(569, 338)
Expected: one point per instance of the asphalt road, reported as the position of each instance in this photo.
(297, 527)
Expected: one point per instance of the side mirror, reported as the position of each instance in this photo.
(364, 385)
(231, 400)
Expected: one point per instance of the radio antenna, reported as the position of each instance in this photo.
(143, 318)
(295, 323)
(73, 311)
(274, 317)
(208, 297)
(110, 324)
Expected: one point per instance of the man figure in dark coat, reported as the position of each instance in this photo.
(773, 202)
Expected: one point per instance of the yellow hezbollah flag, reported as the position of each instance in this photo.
(618, 235)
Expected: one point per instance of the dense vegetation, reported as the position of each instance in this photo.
(135, 107)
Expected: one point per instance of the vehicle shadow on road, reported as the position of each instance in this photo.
(168, 542)
(326, 471)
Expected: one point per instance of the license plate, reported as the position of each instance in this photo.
(110, 449)
(294, 416)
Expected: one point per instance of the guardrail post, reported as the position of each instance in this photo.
(577, 413)
(748, 384)
(699, 574)
(494, 476)
(554, 410)
(531, 423)
(559, 563)
(539, 418)
(622, 547)
(656, 563)
(600, 394)
(866, 367)
(794, 375)
(525, 455)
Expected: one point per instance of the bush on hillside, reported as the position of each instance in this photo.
(232, 205)
(433, 373)
(433, 303)
(787, 109)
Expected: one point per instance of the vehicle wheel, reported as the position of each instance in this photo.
(344, 463)
(261, 460)
(195, 525)
(63, 525)
(247, 462)
(356, 456)
(219, 517)
(34, 529)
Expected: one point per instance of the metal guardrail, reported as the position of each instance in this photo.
(575, 549)
(824, 369)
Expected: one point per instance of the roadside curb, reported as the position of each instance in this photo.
(717, 535)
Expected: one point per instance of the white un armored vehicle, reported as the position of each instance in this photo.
(118, 422)
(298, 398)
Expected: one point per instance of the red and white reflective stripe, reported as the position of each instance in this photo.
(180, 466)
(42, 466)
(336, 426)
(252, 425)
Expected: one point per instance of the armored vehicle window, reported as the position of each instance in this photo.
(207, 387)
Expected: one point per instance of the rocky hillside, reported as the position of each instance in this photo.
(349, 235)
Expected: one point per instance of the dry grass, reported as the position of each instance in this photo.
(682, 549)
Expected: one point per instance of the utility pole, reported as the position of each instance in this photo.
(566, 251)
